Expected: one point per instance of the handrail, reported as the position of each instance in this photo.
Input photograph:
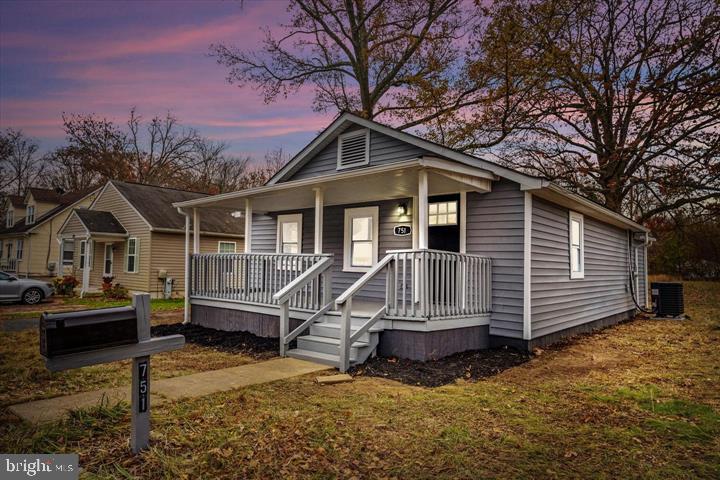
(324, 268)
(344, 301)
(432, 250)
(367, 325)
(355, 287)
(314, 318)
(310, 274)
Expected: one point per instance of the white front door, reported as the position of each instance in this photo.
(107, 271)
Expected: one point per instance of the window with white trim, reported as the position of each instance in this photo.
(577, 245)
(131, 255)
(30, 215)
(83, 246)
(68, 252)
(10, 218)
(443, 213)
(353, 149)
(289, 233)
(19, 245)
(361, 238)
(227, 247)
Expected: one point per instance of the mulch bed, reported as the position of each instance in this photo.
(232, 342)
(469, 366)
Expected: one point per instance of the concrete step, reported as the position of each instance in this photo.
(323, 358)
(327, 345)
(332, 330)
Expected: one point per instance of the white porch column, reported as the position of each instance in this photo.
(86, 267)
(423, 209)
(186, 316)
(319, 205)
(248, 225)
(196, 230)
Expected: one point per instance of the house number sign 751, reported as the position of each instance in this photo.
(142, 386)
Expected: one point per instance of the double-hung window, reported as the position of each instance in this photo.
(361, 238)
(10, 218)
(68, 252)
(289, 233)
(19, 245)
(83, 253)
(577, 245)
(131, 257)
(30, 215)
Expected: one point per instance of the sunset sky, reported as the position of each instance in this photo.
(107, 57)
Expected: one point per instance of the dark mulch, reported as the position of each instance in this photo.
(233, 342)
(469, 366)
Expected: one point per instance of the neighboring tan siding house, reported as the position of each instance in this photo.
(30, 247)
(137, 237)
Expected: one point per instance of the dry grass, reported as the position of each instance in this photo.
(639, 400)
(23, 376)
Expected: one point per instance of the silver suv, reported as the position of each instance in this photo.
(27, 290)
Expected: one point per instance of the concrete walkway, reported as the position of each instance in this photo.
(167, 389)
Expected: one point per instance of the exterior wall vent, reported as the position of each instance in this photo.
(353, 149)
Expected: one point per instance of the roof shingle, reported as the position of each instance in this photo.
(97, 221)
(155, 205)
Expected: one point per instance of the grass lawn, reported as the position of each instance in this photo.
(638, 400)
(17, 311)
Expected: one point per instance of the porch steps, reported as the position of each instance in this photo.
(322, 344)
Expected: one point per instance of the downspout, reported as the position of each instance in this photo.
(49, 247)
(631, 276)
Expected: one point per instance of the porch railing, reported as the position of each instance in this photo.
(429, 284)
(255, 277)
(437, 284)
(8, 265)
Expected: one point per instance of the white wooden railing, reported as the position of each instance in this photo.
(8, 265)
(255, 278)
(427, 284)
(437, 284)
(320, 272)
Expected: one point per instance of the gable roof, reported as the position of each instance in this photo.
(345, 120)
(531, 183)
(17, 201)
(155, 205)
(96, 221)
(65, 201)
(45, 195)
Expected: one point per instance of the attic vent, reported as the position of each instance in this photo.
(353, 149)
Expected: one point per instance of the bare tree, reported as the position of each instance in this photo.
(69, 171)
(20, 164)
(215, 172)
(628, 108)
(164, 152)
(359, 55)
(95, 145)
(259, 175)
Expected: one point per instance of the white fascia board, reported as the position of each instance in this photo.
(205, 201)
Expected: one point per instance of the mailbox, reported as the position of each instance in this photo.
(87, 330)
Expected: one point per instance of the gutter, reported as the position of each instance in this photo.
(589, 204)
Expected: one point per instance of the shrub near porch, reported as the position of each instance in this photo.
(637, 400)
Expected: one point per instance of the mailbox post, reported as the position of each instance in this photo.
(60, 344)
(140, 399)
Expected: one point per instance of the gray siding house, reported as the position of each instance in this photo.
(374, 241)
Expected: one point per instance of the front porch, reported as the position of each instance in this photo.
(346, 257)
